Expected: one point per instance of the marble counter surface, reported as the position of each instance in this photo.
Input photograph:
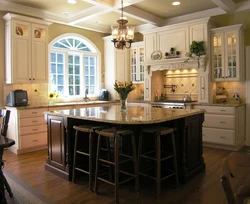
(133, 115)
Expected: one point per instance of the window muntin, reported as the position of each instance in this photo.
(74, 67)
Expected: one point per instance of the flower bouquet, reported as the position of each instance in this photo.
(52, 96)
(123, 89)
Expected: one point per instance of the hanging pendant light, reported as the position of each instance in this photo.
(123, 34)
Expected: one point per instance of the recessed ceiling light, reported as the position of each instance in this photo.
(98, 22)
(176, 3)
(66, 13)
(71, 1)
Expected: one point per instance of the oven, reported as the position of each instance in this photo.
(177, 104)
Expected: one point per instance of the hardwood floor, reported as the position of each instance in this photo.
(203, 189)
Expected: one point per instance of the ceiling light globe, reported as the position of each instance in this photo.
(176, 3)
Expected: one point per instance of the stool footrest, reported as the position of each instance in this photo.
(82, 153)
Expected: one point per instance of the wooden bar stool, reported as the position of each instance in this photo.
(84, 150)
(119, 158)
(157, 154)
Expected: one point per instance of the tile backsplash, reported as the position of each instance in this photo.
(37, 93)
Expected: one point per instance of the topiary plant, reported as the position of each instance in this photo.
(197, 48)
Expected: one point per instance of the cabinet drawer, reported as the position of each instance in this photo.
(32, 113)
(23, 122)
(219, 121)
(33, 140)
(33, 129)
(217, 109)
(218, 136)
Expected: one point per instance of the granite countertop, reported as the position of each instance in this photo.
(72, 103)
(133, 115)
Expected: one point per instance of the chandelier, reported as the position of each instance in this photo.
(123, 34)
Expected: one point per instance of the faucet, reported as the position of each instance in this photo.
(86, 99)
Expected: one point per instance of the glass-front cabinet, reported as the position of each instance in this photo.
(137, 59)
(228, 53)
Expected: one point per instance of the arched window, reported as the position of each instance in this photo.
(74, 66)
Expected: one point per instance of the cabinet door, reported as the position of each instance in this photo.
(133, 59)
(150, 45)
(21, 50)
(56, 141)
(231, 56)
(217, 57)
(137, 67)
(39, 54)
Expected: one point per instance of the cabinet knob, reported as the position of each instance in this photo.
(202, 87)
(33, 79)
(30, 79)
(223, 137)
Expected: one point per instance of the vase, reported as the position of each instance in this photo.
(123, 103)
(51, 101)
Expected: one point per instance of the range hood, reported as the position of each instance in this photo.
(175, 63)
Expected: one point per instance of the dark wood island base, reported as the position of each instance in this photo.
(188, 124)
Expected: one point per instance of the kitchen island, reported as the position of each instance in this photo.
(188, 134)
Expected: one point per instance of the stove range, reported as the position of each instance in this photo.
(178, 104)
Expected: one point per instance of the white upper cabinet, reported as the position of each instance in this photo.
(136, 60)
(228, 53)
(26, 49)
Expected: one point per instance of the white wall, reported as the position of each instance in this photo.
(247, 142)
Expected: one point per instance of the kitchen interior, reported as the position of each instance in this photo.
(162, 76)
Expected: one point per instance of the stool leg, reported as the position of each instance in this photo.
(135, 164)
(139, 151)
(116, 148)
(7, 186)
(158, 165)
(74, 159)
(175, 161)
(97, 163)
(109, 158)
(90, 162)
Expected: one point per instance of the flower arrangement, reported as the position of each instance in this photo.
(53, 95)
(124, 88)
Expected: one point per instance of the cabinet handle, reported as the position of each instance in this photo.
(223, 137)
(222, 110)
(202, 87)
(222, 122)
(34, 112)
(35, 129)
(35, 140)
(34, 121)
(33, 79)
(204, 135)
(30, 79)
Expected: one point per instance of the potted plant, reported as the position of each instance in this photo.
(196, 49)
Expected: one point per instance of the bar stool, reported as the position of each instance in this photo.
(117, 135)
(84, 150)
(158, 155)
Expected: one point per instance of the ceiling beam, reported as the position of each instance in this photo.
(227, 5)
(144, 16)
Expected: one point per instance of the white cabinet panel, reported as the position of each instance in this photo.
(33, 129)
(226, 137)
(33, 140)
(219, 121)
(31, 121)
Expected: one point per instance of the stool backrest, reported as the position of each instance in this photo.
(4, 121)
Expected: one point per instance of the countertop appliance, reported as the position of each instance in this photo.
(104, 95)
(17, 98)
(178, 104)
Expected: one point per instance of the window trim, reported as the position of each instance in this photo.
(94, 52)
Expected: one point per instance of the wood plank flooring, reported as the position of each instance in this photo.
(205, 188)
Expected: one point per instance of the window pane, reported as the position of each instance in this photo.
(86, 70)
(70, 59)
(53, 78)
(71, 90)
(60, 69)
(77, 80)
(92, 61)
(77, 90)
(92, 80)
(52, 57)
(60, 79)
(60, 58)
(53, 68)
(71, 69)
(71, 79)
(92, 90)
(86, 80)
(77, 59)
(61, 90)
(77, 69)
(92, 70)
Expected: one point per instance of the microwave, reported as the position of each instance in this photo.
(17, 98)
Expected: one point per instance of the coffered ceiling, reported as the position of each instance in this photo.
(99, 15)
